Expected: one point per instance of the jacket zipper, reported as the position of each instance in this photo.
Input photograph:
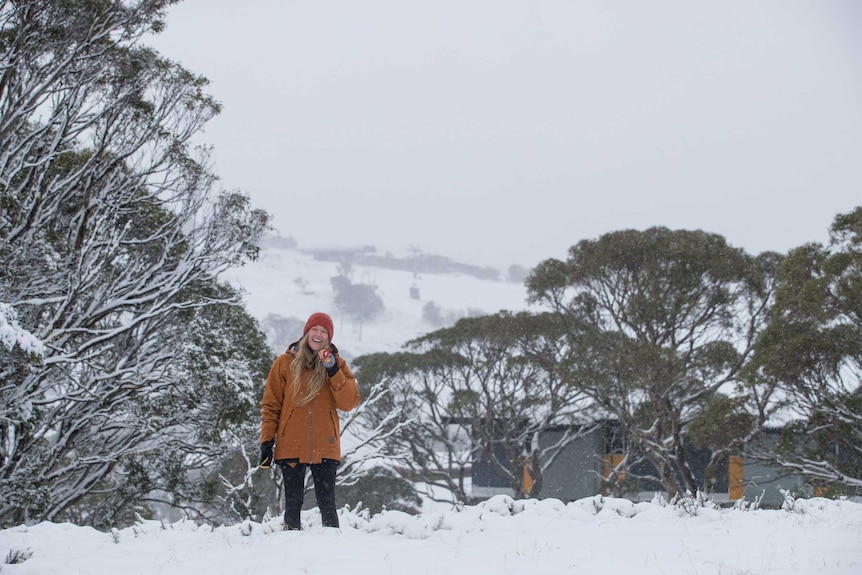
(310, 432)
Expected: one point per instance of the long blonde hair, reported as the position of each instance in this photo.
(304, 357)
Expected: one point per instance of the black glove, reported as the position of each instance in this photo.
(327, 359)
(266, 454)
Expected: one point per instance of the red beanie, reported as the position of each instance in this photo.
(323, 321)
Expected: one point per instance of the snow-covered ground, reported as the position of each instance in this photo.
(295, 285)
(590, 536)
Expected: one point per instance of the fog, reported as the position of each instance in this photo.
(501, 132)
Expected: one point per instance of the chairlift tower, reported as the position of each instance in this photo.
(414, 249)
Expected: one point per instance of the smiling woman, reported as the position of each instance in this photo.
(306, 387)
(569, 119)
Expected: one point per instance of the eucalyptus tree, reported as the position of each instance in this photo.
(488, 385)
(420, 441)
(111, 237)
(658, 323)
(813, 351)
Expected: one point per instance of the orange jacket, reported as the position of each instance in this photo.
(309, 432)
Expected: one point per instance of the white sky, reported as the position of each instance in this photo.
(500, 132)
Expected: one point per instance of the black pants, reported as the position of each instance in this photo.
(323, 475)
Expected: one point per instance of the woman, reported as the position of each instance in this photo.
(300, 427)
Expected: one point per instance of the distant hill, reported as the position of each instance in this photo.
(419, 294)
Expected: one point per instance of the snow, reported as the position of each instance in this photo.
(271, 287)
(596, 535)
(590, 536)
(12, 334)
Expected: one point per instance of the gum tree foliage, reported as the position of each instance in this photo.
(658, 322)
(223, 366)
(420, 444)
(110, 239)
(489, 384)
(813, 351)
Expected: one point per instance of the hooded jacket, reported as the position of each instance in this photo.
(311, 432)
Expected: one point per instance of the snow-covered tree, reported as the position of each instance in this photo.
(659, 322)
(813, 351)
(488, 385)
(111, 237)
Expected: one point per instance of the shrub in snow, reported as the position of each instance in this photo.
(743, 505)
(687, 504)
(789, 500)
(15, 556)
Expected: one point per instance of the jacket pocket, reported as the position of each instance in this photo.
(336, 424)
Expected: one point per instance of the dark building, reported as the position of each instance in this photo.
(580, 470)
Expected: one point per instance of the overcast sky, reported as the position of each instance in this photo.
(501, 131)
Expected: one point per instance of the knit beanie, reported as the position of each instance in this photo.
(323, 321)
